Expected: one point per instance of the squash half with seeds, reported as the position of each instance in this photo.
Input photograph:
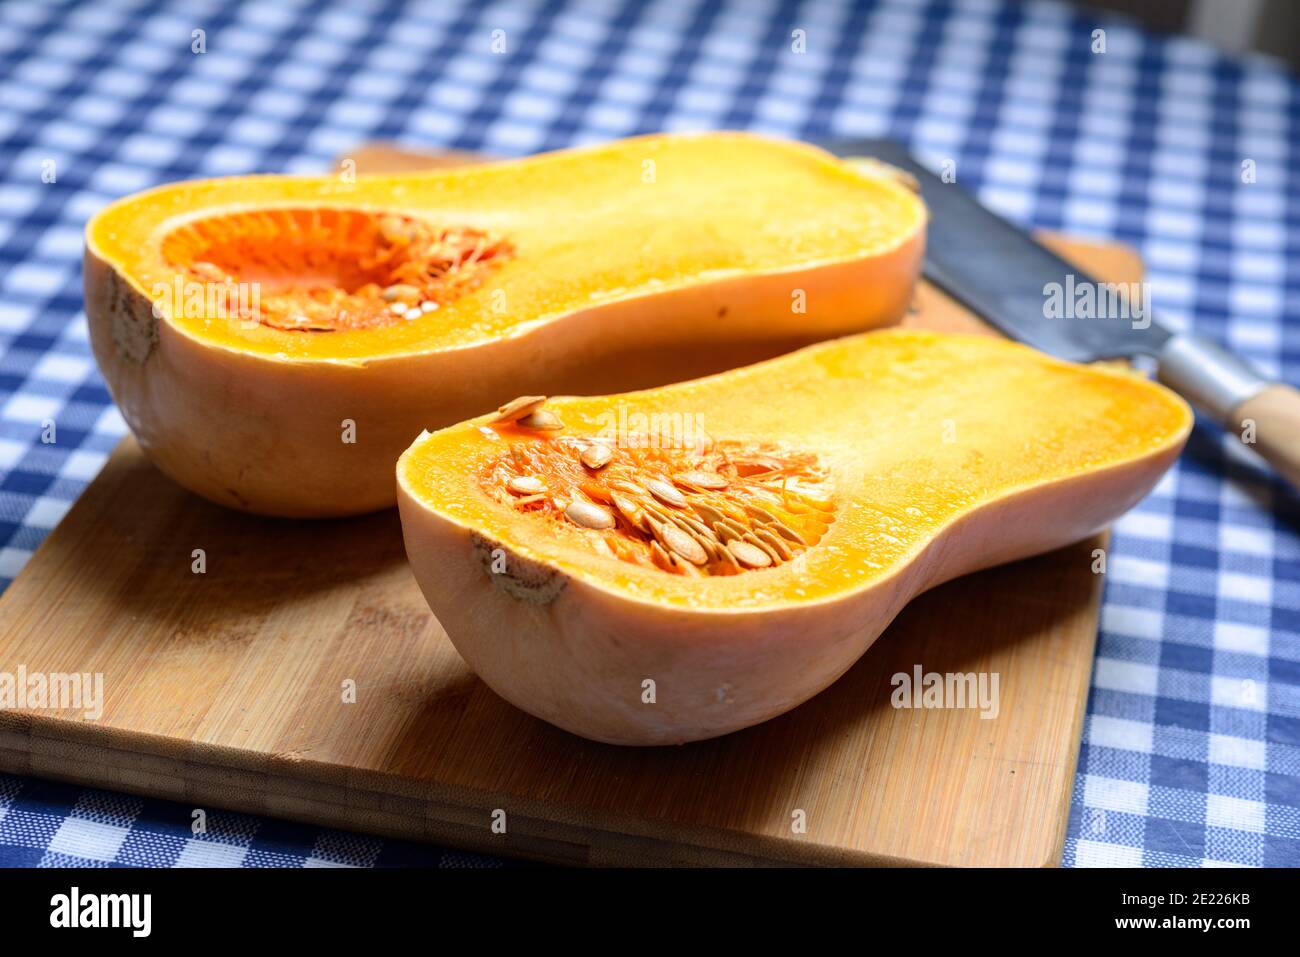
(276, 342)
(742, 539)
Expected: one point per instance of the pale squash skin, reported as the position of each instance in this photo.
(263, 431)
(571, 640)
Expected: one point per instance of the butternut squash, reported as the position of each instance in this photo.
(275, 342)
(681, 562)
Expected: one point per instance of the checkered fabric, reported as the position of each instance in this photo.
(1191, 752)
(45, 824)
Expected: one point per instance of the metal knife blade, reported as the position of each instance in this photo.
(1000, 273)
(1004, 276)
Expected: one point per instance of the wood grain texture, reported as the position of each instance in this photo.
(1274, 415)
(224, 690)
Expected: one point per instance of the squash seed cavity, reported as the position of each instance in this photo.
(727, 508)
(327, 269)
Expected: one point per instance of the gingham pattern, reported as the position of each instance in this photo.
(45, 824)
(1192, 746)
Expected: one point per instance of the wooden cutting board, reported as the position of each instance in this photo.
(224, 690)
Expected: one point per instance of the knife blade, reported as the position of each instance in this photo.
(1028, 292)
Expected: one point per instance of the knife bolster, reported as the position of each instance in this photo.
(1212, 379)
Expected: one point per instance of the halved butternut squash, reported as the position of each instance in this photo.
(276, 342)
(682, 562)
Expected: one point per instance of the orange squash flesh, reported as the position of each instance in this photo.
(923, 457)
(620, 266)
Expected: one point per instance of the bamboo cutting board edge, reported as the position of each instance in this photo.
(222, 777)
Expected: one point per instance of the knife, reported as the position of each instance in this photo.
(1008, 279)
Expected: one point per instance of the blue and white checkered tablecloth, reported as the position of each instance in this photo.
(1191, 752)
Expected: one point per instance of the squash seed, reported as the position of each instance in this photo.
(724, 533)
(629, 509)
(682, 544)
(651, 507)
(400, 291)
(687, 569)
(626, 487)
(709, 545)
(748, 555)
(775, 542)
(526, 485)
(666, 493)
(540, 420)
(597, 455)
(662, 558)
(657, 530)
(786, 532)
(680, 522)
(771, 552)
(587, 515)
(520, 407)
(760, 513)
(698, 527)
(710, 481)
(708, 513)
(735, 528)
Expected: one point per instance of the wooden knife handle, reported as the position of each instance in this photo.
(1272, 420)
(1264, 414)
